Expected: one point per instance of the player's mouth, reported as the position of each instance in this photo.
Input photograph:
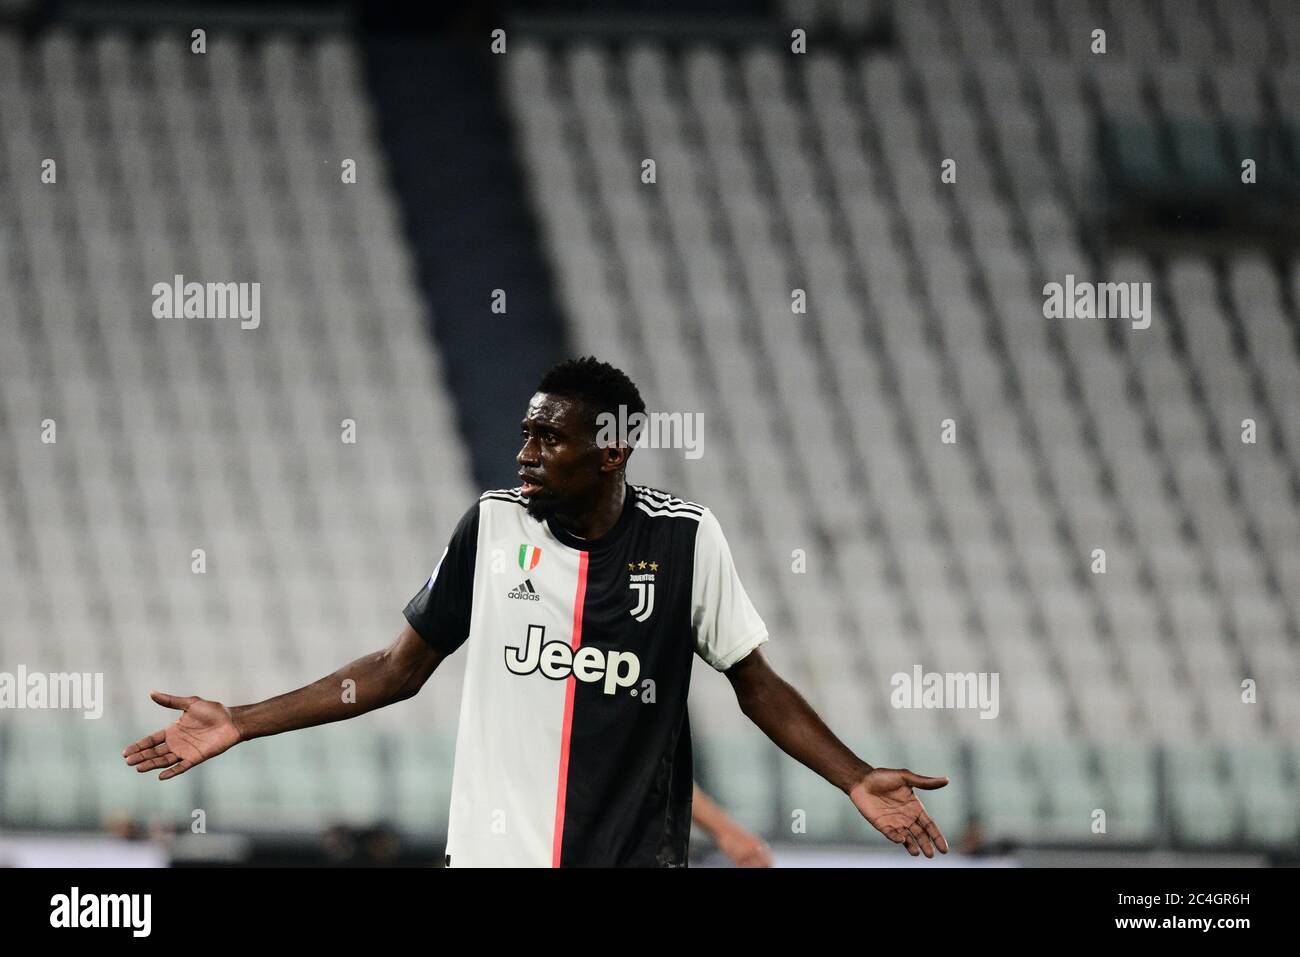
(529, 485)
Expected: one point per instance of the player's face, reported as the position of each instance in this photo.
(559, 464)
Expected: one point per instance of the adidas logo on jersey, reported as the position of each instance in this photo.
(529, 556)
(524, 592)
(558, 660)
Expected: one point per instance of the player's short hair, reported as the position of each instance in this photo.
(603, 387)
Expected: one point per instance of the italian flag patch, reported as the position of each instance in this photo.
(529, 556)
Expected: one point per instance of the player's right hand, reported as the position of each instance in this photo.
(204, 730)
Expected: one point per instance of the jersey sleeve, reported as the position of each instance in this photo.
(726, 625)
(440, 611)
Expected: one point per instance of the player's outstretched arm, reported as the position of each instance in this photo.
(207, 728)
(743, 847)
(883, 796)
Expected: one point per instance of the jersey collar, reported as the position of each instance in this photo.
(606, 540)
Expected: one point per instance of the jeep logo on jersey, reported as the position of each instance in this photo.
(643, 583)
(557, 660)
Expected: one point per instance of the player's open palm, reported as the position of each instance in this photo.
(886, 799)
(204, 730)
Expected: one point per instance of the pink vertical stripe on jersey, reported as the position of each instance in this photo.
(570, 687)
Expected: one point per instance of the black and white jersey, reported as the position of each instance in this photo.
(574, 747)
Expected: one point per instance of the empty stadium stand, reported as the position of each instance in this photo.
(821, 173)
(869, 543)
(194, 433)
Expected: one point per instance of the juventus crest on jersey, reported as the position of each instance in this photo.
(574, 745)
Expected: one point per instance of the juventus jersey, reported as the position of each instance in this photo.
(574, 747)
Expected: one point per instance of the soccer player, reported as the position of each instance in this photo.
(581, 600)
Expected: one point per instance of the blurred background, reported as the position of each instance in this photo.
(915, 467)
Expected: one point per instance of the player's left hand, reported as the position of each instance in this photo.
(885, 798)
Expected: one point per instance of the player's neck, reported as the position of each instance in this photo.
(597, 520)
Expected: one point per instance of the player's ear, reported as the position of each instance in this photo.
(615, 458)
